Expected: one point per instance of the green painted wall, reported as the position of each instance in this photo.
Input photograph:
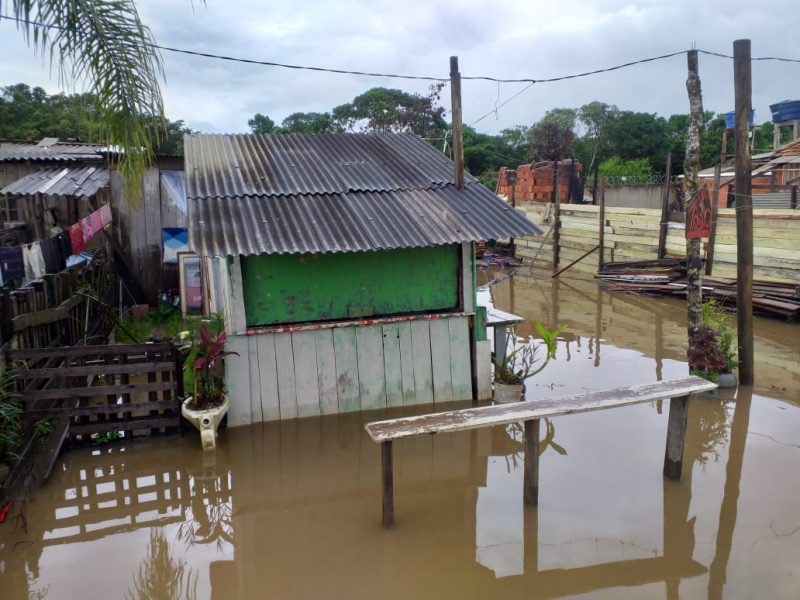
(321, 287)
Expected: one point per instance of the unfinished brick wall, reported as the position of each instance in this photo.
(535, 181)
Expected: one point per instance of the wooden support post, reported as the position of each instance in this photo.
(458, 134)
(511, 178)
(742, 84)
(662, 232)
(793, 203)
(602, 232)
(531, 478)
(676, 436)
(556, 217)
(388, 484)
(712, 239)
(691, 166)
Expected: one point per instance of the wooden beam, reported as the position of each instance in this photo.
(662, 232)
(531, 478)
(504, 414)
(712, 239)
(388, 483)
(676, 436)
(744, 209)
(458, 133)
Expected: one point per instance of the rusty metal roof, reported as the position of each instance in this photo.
(49, 150)
(74, 182)
(283, 194)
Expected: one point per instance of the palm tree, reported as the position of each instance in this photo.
(103, 43)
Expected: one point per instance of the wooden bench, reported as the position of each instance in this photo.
(385, 432)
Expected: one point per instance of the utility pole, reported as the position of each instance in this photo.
(742, 84)
(691, 165)
(458, 133)
(556, 217)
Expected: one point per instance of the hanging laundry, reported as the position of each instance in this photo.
(51, 251)
(105, 214)
(65, 243)
(33, 260)
(91, 224)
(76, 239)
(11, 262)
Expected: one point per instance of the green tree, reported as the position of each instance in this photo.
(261, 124)
(103, 44)
(617, 167)
(633, 135)
(309, 122)
(392, 111)
(551, 138)
(593, 146)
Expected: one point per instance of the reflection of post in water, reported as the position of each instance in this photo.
(659, 345)
(598, 326)
(730, 498)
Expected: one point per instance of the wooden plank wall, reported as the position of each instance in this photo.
(632, 234)
(327, 371)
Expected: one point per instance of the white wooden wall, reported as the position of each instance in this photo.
(344, 369)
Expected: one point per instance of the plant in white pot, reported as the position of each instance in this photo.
(204, 375)
(522, 362)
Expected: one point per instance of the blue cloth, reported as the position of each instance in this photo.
(11, 263)
(174, 239)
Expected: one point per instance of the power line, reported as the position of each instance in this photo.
(402, 76)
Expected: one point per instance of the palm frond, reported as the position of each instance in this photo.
(104, 44)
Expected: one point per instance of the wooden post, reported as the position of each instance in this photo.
(691, 166)
(531, 477)
(511, 179)
(744, 210)
(458, 134)
(388, 484)
(676, 436)
(662, 232)
(595, 182)
(556, 217)
(794, 198)
(712, 239)
(602, 232)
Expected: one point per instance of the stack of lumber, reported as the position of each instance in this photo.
(668, 277)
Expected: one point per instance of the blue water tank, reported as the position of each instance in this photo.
(788, 110)
(730, 119)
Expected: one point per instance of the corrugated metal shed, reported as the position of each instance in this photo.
(283, 194)
(49, 151)
(75, 182)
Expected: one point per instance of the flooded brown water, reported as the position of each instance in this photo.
(292, 510)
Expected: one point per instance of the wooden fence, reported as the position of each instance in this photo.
(126, 387)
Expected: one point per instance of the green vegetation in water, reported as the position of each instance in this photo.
(11, 414)
(521, 362)
(42, 428)
(108, 436)
(137, 328)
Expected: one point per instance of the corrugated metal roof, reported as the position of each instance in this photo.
(59, 151)
(227, 166)
(283, 194)
(69, 181)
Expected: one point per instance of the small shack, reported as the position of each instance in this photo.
(344, 266)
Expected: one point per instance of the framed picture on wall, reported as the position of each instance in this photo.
(190, 273)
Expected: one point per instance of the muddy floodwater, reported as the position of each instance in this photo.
(292, 510)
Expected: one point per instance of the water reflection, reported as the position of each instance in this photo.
(292, 509)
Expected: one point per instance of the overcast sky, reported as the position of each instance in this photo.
(502, 38)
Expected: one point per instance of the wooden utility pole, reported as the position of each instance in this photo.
(601, 234)
(556, 217)
(458, 133)
(663, 229)
(691, 165)
(712, 239)
(742, 84)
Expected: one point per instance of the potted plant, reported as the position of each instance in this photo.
(204, 375)
(522, 362)
(712, 351)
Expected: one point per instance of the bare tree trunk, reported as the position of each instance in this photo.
(691, 165)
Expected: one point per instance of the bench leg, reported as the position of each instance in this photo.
(676, 436)
(531, 482)
(388, 484)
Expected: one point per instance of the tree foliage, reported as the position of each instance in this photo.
(103, 45)
(30, 113)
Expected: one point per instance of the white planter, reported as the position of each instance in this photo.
(727, 380)
(205, 421)
(505, 393)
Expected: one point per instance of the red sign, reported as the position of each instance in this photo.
(698, 216)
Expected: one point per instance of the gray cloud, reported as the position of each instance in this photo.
(502, 38)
